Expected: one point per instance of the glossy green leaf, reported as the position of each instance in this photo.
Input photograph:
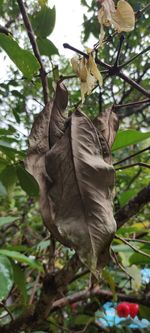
(46, 47)
(9, 177)
(22, 258)
(126, 196)
(27, 182)
(128, 137)
(139, 259)
(43, 22)
(6, 277)
(20, 281)
(23, 59)
(7, 220)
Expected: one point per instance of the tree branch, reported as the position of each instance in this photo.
(120, 106)
(112, 70)
(103, 295)
(133, 165)
(131, 156)
(134, 84)
(35, 48)
(133, 58)
(134, 248)
(54, 285)
(133, 206)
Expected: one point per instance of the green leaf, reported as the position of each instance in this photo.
(7, 220)
(3, 191)
(46, 47)
(135, 272)
(6, 277)
(83, 319)
(126, 196)
(111, 282)
(22, 258)
(144, 312)
(136, 227)
(23, 59)
(20, 281)
(43, 245)
(9, 151)
(43, 22)
(27, 182)
(128, 137)
(9, 177)
(140, 259)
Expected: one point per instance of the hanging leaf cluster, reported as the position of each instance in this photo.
(70, 159)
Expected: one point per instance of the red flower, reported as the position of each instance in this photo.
(134, 309)
(123, 309)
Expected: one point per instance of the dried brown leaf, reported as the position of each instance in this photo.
(47, 128)
(107, 124)
(82, 191)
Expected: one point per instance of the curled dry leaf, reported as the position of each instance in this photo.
(107, 125)
(82, 191)
(121, 18)
(76, 178)
(47, 128)
(88, 73)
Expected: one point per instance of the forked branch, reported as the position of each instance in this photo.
(36, 51)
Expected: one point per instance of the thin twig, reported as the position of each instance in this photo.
(119, 51)
(7, 310)
(137, 240)
(85, 55)
(133, 165)
(120, 106)
(131, 156)
(134, 57)
(133, 206)
(36, 51)
(102, 294)
(132, 246)
(115, 259)
(141, 11)
(134, 84)
(34, 288)
(112, 70)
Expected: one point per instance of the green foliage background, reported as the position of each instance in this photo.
(24, 241)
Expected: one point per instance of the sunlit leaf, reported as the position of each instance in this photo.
(22, 258)
(7, 220)
(124, 18)
(135, 272)
(128, 137)
(43, 22)
(23, 59)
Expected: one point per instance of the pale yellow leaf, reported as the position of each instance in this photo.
(135, 272)
(83, 70)
(94, 70)
(75, 64)
(124, 18)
